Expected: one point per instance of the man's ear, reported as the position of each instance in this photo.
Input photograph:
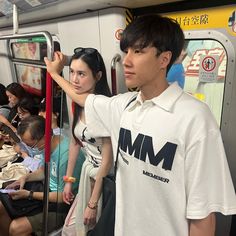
(165, 58)
(99, 75)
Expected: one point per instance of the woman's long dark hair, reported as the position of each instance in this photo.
(27, 104)
(17, 90)
(95, 63)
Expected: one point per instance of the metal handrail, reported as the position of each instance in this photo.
(27, 62)
(114, 61)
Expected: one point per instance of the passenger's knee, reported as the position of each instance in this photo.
(20, 226)
(14, 228)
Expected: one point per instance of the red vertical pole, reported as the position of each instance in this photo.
(48, 127)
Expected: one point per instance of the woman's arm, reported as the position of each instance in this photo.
(54, 68)
(203, 227)
(106, 164)
(74, 149)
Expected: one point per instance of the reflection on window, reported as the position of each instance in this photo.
(30, 78)
(205, 69)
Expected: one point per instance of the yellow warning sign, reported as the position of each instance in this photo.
(219, 17)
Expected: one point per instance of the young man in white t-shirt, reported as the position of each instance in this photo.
(172, 173)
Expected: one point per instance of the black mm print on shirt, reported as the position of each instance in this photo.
(142, 148)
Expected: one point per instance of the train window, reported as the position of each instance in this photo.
(204, 64)
(30, 77)
(26, 53)
(33, 50)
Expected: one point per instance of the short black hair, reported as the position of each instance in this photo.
(157, 31)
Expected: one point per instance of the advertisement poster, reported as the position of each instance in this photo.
(28, 76)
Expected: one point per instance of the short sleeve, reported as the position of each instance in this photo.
(209, 185)
(97, 110)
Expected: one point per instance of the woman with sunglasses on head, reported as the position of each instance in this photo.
(87, 75)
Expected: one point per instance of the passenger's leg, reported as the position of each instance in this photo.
(20, 227)
(4, 222)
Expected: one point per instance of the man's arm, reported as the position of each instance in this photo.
(203, 227)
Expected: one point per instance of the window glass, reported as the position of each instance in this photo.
(205, 69)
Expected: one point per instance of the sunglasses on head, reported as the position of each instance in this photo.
(89, 51)
(85, 50)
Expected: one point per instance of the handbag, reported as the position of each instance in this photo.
(23, 207)
(12, 171)
(7, 153)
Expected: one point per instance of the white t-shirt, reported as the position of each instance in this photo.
(172, 165)
(92, 147)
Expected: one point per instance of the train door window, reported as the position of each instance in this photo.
(32, 78)
(32, 50)
(204, 64)
(27, 52)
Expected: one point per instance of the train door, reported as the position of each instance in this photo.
(209, 65)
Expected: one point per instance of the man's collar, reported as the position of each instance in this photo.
(165, 100)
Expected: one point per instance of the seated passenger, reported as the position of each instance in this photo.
(31, 130)
(26, 107)
(15, 92)
(55, 114)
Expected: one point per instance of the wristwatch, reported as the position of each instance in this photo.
(30, 197)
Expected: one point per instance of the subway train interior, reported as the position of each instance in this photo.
(33, 29)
